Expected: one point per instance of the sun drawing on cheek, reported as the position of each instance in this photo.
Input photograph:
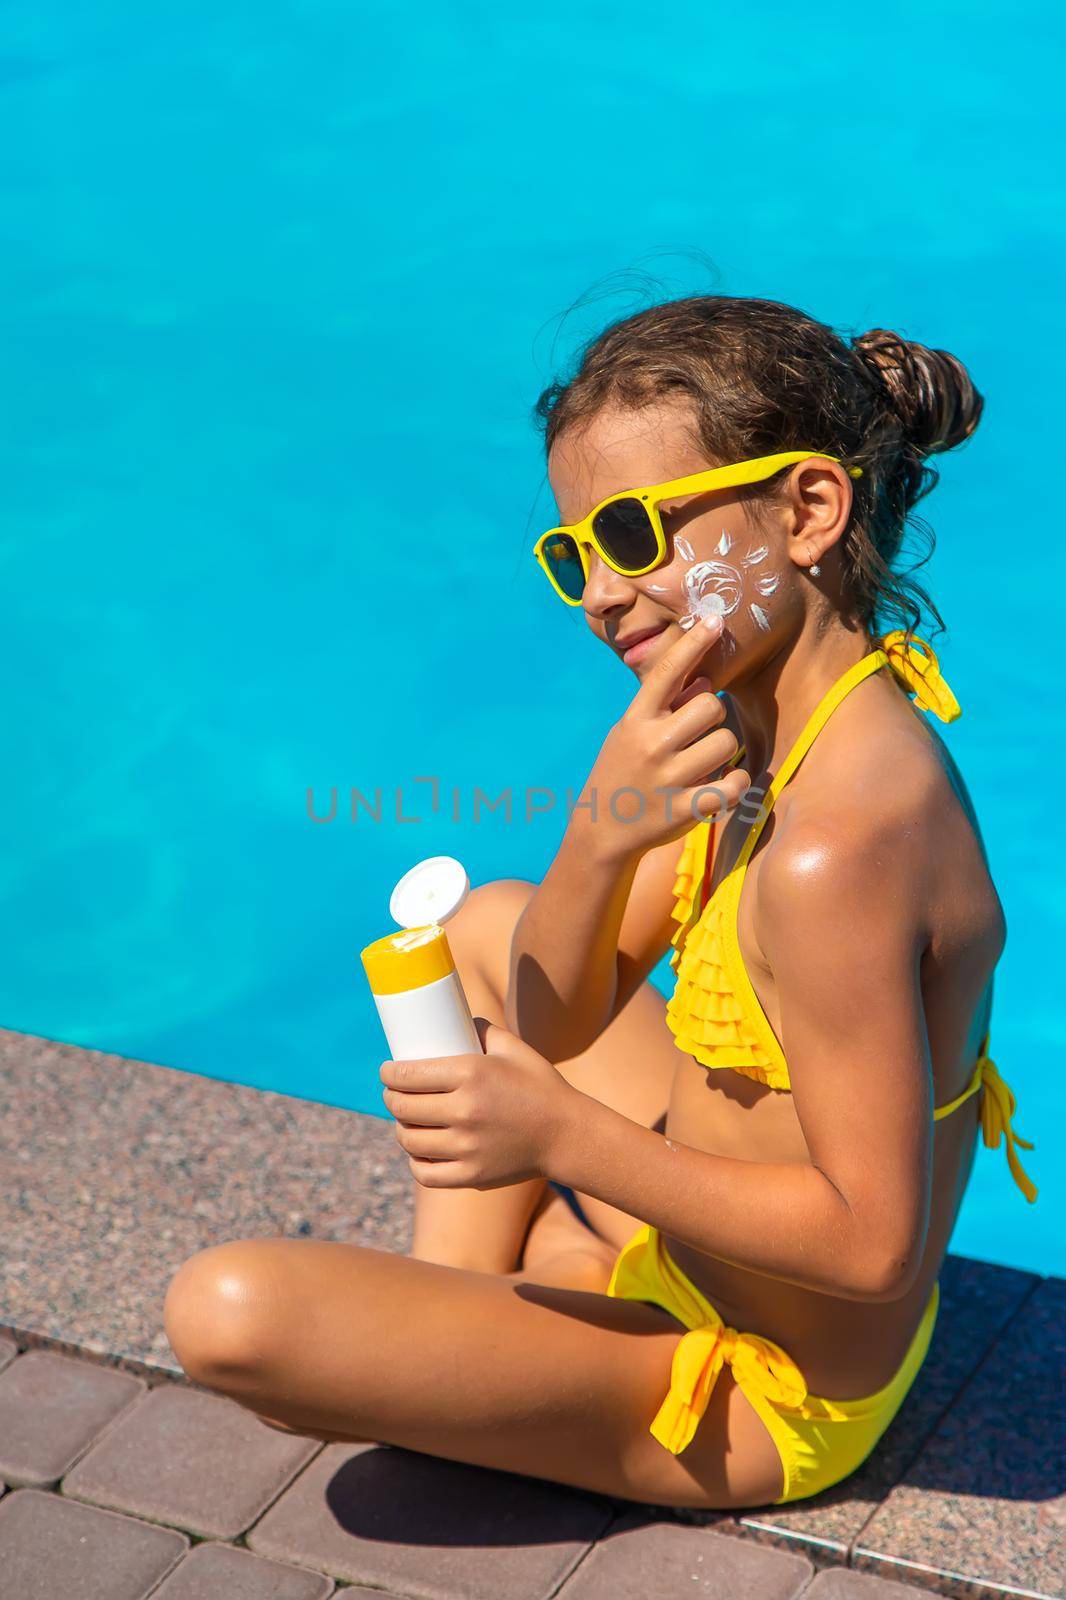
(718, 587)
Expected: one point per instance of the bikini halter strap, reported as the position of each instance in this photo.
(818, 717)
(918, 673)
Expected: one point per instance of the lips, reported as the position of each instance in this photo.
(627, 641)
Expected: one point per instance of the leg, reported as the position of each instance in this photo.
(630, 1067)
(560, 1252)
(479, 1230)
(345, 1342)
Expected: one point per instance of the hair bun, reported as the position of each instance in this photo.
(930, 390)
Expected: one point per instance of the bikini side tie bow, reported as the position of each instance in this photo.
(997, 1109)
(920, 674)
(757, 1364)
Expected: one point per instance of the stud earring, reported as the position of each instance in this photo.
(814, 569)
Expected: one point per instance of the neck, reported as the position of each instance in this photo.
(775, 701)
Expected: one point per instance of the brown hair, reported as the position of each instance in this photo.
(764, 377)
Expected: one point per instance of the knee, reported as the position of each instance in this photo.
(491, 904)
(222, 1313)
(480, 932)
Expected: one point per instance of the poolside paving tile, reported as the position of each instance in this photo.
(977, 1302)
(52, 1407)
(51, 1547)
(640, 1555)
(428, 1528)
(135, 1166)
(192, 1460)
(983, 1509)
(840, 1583)
(90, 1245)
(222, 1572)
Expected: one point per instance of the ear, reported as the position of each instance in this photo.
(819, 500)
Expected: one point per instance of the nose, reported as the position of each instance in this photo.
(605, 589)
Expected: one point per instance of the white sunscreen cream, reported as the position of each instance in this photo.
(412, 975)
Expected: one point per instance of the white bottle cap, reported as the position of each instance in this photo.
(430, 893)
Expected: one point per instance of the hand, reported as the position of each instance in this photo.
(668, 746)
(479, 1121)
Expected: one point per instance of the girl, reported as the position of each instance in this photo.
(689, 1259)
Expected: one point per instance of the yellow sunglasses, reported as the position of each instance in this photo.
(626, 530)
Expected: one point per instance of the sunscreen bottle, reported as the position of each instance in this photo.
(412, 975)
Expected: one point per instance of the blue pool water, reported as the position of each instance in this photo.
(278, 288)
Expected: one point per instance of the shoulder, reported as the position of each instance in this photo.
(863, 831)
(840, 860)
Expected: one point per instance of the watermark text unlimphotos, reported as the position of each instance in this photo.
(524, 805)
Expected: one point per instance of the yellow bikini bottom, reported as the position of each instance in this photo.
(819, 1441)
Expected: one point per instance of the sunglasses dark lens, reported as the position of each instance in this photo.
(564, 560)
(625, 531)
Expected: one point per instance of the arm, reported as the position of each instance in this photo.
(589, 936)
(840, 926)
(573, 964)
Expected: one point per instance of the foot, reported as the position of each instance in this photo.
(576, 1268)
(559, 1244)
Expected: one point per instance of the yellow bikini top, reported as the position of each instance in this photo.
(714, 1013)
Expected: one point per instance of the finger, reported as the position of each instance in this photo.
(700, 685)
(667, 675)
(700, 761)
(486, 1032)
(419, 1110)
(713, 794)
(430, 1076)
(428, 1144)
(440, 1174)
(702, 714)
